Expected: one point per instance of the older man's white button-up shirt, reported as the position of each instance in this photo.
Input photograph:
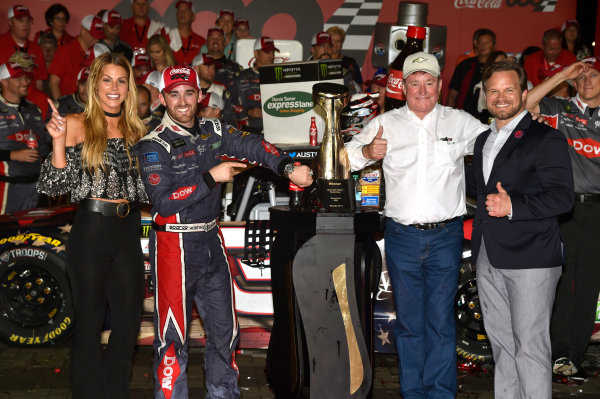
(423, 165)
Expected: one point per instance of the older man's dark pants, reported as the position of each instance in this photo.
(423, 266)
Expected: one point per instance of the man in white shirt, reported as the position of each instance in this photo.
(422, 146)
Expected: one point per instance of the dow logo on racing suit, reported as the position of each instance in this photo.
(168, 371)
(589, 148)
(182, 193)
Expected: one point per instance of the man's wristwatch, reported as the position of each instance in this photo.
(288, 169)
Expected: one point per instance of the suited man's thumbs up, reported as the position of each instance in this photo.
(500, 189)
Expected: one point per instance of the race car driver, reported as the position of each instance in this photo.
(182, 172)
(23, 141)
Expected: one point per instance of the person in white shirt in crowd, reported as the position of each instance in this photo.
(206, 67)
(422, 146)
(211, 106)
(150, 82)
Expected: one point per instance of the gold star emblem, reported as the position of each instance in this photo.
(383, 336)
(59, 248)
(66, 228)
(22, 240)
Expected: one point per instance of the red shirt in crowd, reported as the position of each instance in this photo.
(8, 46)
(538, 68)
(67, 62)
(190, 47)
(66, 38)
(39, 98)
(137, 36)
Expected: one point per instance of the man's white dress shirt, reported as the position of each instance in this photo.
(423, 166)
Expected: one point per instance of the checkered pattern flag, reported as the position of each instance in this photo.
(546, 6)
(357, 18)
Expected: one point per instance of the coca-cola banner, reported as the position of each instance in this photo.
(517, 23)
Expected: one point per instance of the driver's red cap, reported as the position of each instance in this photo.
(176, 75)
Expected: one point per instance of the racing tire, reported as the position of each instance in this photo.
(472, 344)
(36, 306)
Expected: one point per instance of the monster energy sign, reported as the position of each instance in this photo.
(323, 71)
(291, 103)
(301, 72)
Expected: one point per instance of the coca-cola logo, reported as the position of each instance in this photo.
(477, 3)
(175, 71)
(394, 81)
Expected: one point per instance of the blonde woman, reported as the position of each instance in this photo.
(160, 53)
(91, 160)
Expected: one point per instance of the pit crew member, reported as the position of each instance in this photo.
(576, 297)
(243, 105)
(23, 141)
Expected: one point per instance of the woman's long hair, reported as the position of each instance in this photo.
(94, 120)
(161, 42)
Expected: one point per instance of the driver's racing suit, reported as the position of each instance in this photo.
(187, 254)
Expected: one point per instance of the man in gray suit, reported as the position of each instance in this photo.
(523, 176)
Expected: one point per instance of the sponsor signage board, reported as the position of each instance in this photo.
(286, 98)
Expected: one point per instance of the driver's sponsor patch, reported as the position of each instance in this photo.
(270, 148)
(168, 371)
(182, 193)
(176, 143)
(151, 157)
(154, 179)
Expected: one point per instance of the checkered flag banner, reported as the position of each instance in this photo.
(546, 6)
(357, 18)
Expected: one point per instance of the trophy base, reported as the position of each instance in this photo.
(336, 195)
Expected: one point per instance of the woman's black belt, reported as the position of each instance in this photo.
(106, 208)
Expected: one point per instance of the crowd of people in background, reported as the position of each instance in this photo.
(54, 65)
(59, 58)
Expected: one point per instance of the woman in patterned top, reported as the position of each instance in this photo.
(91, 161)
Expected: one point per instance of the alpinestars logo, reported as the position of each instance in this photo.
(589, 148)
(168, 371)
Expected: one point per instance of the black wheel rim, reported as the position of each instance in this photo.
(469, 318)
(30, 295)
